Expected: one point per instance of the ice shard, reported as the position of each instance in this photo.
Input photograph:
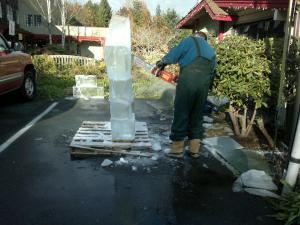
(117, 56)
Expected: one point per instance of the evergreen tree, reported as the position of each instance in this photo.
(137, 12)
(89, 13)
(171, 18)
(104, 14)
(158, 11)
(158, 20)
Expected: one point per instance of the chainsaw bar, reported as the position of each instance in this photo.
(152, 69)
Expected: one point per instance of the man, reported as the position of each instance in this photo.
(197, 64)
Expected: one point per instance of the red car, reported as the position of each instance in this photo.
(16, 70)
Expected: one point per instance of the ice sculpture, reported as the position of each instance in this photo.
(86, 87)
(117, 55)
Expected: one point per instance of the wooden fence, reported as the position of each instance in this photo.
(62, 60)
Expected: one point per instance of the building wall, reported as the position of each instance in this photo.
(4, 24)
(205, 22)
(30, 7)
(85, 31)
(91, 49)
(251, 22)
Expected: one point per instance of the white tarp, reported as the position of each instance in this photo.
(255, 182)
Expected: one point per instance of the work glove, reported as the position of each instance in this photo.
(161, 65)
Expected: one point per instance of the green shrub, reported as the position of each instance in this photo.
(292, 69)
(52, 81)
(288, 207)
(243, 75)
(274, 47)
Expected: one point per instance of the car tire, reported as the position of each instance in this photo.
(28, 89)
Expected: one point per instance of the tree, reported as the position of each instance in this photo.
(67, 10)
(137, 12)
(124, 11)
(105, 14)
(157, 19)
(158, 11)
(171, 18)
(88, 13)
(243, 75)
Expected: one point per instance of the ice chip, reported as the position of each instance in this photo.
(106, 163)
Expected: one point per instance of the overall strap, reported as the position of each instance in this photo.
(197, 46)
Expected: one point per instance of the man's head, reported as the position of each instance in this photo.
(199, 33)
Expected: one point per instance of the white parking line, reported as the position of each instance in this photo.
(7, 143)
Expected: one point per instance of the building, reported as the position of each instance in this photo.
(33, 19)
(26, 21)
(9, 18)
(86, 41)
(256, 18)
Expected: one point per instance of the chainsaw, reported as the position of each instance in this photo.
(154, 70)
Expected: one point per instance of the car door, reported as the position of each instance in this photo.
(11, 74)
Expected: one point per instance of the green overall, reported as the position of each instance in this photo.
(191, 94)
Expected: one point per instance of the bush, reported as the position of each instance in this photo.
(288, 207)
(292, 69)
(52, 81)
(48, 50)
(243, 75)
(274, 47)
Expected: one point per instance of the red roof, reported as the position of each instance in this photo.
(257, 4)
(214, 8)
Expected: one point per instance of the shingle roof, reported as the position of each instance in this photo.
(212, 9)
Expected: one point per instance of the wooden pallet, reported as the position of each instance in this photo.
(94, 138)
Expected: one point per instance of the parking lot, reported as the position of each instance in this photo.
(40, 184)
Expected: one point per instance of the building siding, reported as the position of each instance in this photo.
(26, 7)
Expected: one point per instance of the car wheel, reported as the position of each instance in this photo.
(28, 89)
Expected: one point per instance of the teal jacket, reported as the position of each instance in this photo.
(185, 52)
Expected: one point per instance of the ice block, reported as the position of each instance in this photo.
(120, 90)
(120, 109)
(117, 56)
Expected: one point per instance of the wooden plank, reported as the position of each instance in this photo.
(98, 135)
(86, 151)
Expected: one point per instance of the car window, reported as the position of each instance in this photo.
(3, 45)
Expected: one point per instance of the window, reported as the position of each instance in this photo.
(29, 20)
(37, 20)
(10, 15)
(33, 20)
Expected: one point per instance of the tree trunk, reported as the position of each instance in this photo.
(234, 120)
(250, 124)
(49, 18)
(50, 34)
(69, 40)
(261, 126)
(63, 23)
(244, 122)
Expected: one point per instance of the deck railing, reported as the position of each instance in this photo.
(62, 60)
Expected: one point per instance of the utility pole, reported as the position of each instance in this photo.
(294, 163)
(281, 108)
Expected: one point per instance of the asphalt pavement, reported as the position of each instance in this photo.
(41, 185)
